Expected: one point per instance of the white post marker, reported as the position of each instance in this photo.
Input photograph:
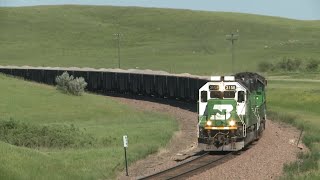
(125, 141)
(125, 145)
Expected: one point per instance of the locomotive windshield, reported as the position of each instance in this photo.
(222, 94)
(229, 94)
(216, 94)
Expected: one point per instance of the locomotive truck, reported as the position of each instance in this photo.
(232, 111)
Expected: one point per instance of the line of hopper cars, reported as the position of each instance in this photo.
(168, 86)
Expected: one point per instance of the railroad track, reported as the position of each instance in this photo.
(191, 167)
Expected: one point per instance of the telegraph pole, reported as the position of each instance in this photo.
(118, 39)
(232, 37)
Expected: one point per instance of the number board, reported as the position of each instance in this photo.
(230, 87)
(213, 87)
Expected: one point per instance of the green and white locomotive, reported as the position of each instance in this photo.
(232, 111)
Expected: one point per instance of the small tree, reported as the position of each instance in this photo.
(69, 84)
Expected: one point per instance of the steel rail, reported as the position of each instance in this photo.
(188, 168)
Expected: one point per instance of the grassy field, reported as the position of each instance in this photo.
(166, 39)
(94, 115)
(297, 102)
(159, 39)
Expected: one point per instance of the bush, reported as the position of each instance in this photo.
(63, 82)
(288, 64)
(50, 136)
(265, 66)
(77, 85)
(312, 65)
(70, 85)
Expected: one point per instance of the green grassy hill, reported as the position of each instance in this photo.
(102, 118)
(171, 40)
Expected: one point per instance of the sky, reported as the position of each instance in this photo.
(293, 9)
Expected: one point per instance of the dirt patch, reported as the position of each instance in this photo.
(263, 160)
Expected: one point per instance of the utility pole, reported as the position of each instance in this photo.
(232, 37)
(118, 39)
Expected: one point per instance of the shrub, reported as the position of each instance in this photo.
(77, 85)
(288, 64)
(69, 84)
(63, 81)
(296, 64)
(265, 66)
(312, 65)
(50, 136)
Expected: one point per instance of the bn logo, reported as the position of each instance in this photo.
(221, 111)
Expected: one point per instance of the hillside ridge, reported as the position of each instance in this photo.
(151, 38)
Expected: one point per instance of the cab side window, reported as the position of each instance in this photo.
(241, 96)
(204, 96)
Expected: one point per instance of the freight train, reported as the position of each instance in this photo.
(232, 111)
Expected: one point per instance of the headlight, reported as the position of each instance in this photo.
(209, 123)
(232, 123)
